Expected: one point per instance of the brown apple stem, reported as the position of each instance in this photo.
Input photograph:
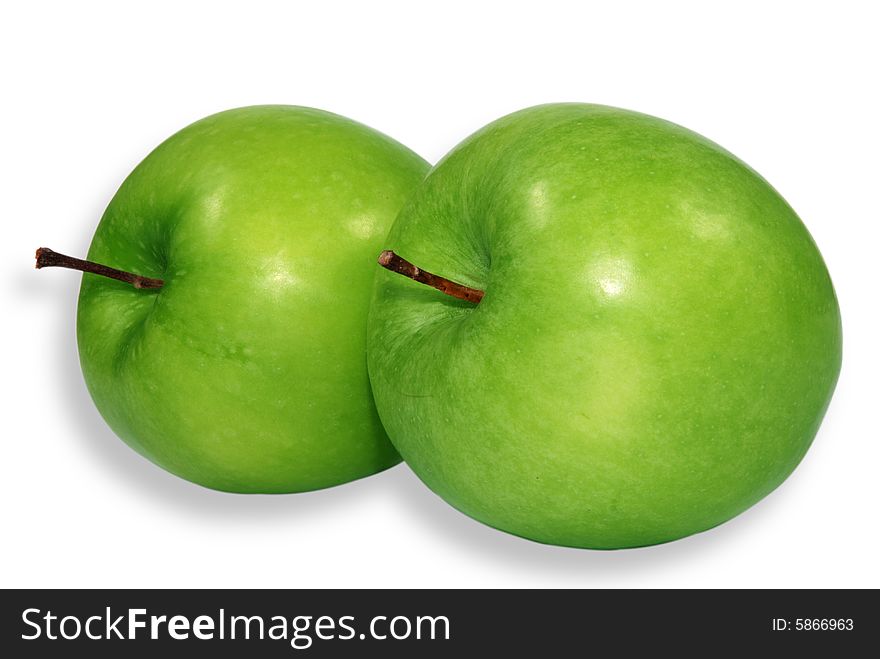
(46, 258)
(401, 266)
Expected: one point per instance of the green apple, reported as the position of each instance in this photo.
(246, 370)
(658, 341)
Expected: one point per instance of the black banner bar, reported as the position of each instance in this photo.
(318, 623)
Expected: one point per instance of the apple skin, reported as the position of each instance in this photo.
(658, 341)
(246, 371)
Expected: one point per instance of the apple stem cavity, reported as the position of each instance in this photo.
(391, 261)
(46, 258)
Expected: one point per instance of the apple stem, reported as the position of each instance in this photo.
(391, 261)
(46, 258)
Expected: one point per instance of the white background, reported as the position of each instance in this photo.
(89, 89)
